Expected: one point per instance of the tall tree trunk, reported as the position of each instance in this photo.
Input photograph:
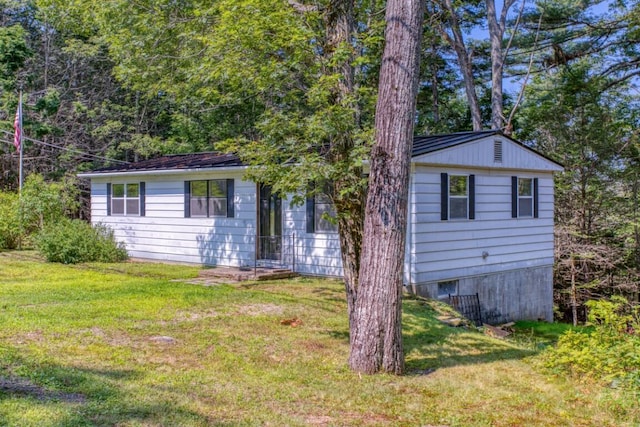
(456, 41)
(498, 55)
(349, 194)
(376, 334)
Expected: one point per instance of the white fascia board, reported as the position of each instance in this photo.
(161, 172)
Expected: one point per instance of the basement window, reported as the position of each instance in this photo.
(449, 287)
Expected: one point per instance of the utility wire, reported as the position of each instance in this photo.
(72, 150)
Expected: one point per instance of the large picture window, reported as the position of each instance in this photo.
(209, 198)
(458, 196)
(524, 197)
(125, 199)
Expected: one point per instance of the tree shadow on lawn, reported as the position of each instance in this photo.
(88, 397)
(430, 344)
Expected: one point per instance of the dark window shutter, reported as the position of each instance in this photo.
(444, 196)
(514, 197)
(142, 198)
(187, 199)
(230, 198)
(311, 208)
(472, 197)
(109, 199)
(535, 197)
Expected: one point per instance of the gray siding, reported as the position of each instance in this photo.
(316, 254)
(442, 250)
(165, 234)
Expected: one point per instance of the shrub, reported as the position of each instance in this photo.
(75, 241)
(609, 352)
(41, 203)
(10, 228)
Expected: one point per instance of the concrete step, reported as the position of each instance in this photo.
(240, 274)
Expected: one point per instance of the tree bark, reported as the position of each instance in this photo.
(464, 60)
(376, 334)
(498, 55)
(348, 195)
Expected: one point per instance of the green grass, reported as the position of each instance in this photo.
(539, 335)
(132, 345)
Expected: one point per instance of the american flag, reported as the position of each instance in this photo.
(17, 124)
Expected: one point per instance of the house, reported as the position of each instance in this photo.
(480, 220)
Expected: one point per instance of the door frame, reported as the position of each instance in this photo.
(272, 238)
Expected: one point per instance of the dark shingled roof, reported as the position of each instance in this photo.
(421, 145)
(178, 161)
(431, 143)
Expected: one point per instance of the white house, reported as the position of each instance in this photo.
(480, 220)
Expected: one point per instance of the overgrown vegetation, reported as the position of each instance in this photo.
(607, 352)
(39, 216)
(74, 241)
(125, 344)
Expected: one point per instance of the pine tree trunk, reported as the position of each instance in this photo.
(376, 333)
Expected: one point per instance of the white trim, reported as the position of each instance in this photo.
(160, 172)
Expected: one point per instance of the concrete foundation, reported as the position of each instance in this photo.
(525, 294)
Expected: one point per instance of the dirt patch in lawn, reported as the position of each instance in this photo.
(23, 387)
(260, 309)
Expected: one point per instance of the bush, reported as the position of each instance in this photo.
(609, 352)
(10, 229)
(41, 203)
(75, 241)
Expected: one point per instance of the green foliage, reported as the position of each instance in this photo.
(13, 53)
(74, 241)
(39, 204)
(42, 203)
(10, 230)
(609, 352)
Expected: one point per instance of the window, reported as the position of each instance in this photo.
(209, 198)
(458, 196)
(450, 287)
(324, 209)
(126, 199)
(524, 197)
(320, 209)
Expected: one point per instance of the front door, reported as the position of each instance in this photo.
(269, 225)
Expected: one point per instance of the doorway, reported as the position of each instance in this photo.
(269, 245)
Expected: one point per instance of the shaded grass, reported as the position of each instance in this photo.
(104, 345)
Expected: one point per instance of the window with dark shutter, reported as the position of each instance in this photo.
(524, 197)
(209, 198)
(125, 199)
(321, 213)
(457, 196)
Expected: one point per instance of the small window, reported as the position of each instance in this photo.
(458, 197)
(209, 198)
(125, 199)
(321, 212)
(450, 287)
(325, 214)
(524, 197)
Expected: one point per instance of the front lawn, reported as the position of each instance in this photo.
(134, 345)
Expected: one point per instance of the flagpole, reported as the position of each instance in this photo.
(20, 136)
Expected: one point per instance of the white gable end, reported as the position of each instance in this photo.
(496, 152)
